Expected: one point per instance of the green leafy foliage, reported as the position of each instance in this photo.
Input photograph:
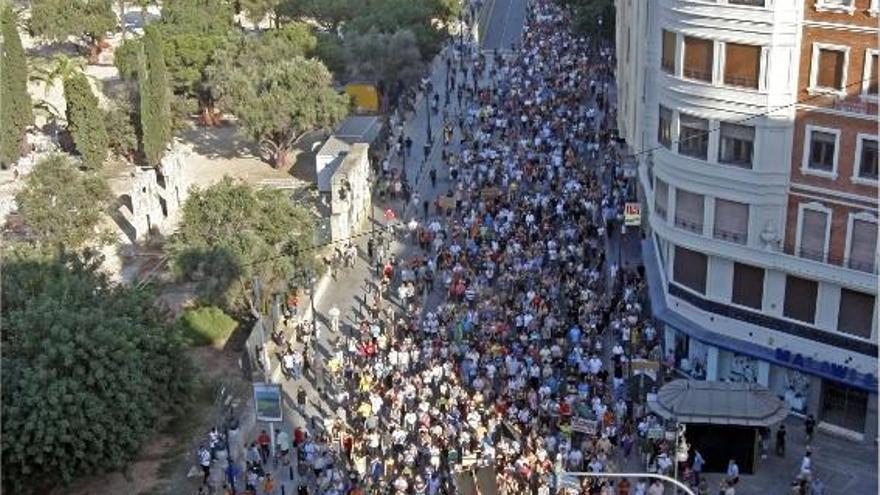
(61, 206)
(330, 13)
(85, 121)
(231, 233)
(257, 10)
(208, 325)
(16, 112)
(88, 370)
(417, 16)
(58, 20)
(121, 134)
(275, 92)
(155, 99)
(382, 57)
(588, 13)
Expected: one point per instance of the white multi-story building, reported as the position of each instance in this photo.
(708, 100)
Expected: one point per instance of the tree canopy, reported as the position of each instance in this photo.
(88, 20)
(277, 95)
(383, 57)
(60, 206)
(85, 121)
(16, 112)
(155, 99)
(594, 17)
(230, 233)
(88, 370)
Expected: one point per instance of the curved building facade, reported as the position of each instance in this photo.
(749, 120)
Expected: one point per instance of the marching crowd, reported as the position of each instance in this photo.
(520, 368)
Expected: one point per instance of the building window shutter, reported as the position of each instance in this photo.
(868, 159)
(664, 127)
(698, 58)
(863, 245)
(690, 269)
(748, 285)
(731, 221)
(742, 65)
(813, 230)
(689, 210)
(830, 74)
(872, 76)
(800, 299)
(856, 313)
(661, 198)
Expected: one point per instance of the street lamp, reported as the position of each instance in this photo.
(430, 137)
(312, 281)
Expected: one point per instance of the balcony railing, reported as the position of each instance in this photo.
(689, 225)
(698, 74)
(725, 235)
(661, 211)
(832, 259)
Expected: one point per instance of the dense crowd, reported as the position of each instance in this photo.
(520, 365)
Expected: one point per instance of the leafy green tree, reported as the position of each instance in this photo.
(60, 206)
(85, 121)
(89, 369)
(329, 13)
(16, 112)
(230, 234)
(88, 20)
(121, 133)
(383, 58)
(257, 10)
(277, 104)
(594, 17)
(417, 16)
(155, 99)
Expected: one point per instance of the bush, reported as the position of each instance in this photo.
(207, 325)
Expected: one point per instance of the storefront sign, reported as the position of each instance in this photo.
(584, 425)
(267, 400)
(632, 214)
(838, 371)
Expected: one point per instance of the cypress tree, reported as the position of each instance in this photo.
(16, 112)
(85, 121)
(155, 99)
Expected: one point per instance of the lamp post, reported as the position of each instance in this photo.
(430, 137)
(312, 281)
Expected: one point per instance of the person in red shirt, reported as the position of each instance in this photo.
(263, 440)
(623, 487)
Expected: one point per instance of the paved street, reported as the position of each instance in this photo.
(505, 24)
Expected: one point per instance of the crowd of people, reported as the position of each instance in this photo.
(497, 343)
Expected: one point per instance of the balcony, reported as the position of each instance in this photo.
(831, 259)
(749, 3)
(737, 237)
(697, 74)
(660, 211)
(689, 225)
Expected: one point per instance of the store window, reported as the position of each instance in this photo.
(667, 63)
(742, 65)
(731, 221)
(737, 145)
(699, 58)
(693, 136)
(800, 299)
(856, 313)
(689, 211)
(844, 406)
(748, 285)
(690, 269)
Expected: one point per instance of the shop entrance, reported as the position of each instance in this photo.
(844, 406)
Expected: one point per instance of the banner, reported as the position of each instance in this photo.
(632, 214)
(267, 401)
(583, 425)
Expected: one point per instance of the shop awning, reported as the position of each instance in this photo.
(720, 403)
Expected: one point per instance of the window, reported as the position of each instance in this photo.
(800, 299)
(856, 313)
(742, 64)
(667, 62)
(842, 6)
(748, 285)
(812, 236)
(866, 158)
(870, 80)
(699, 58)
(731, 221)
(820, 156)
(689, 211)
(828, 69)
(736, 145)
(693, 136)
(661, 198)
(664, 127)
(690, 269)
(862, 245)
